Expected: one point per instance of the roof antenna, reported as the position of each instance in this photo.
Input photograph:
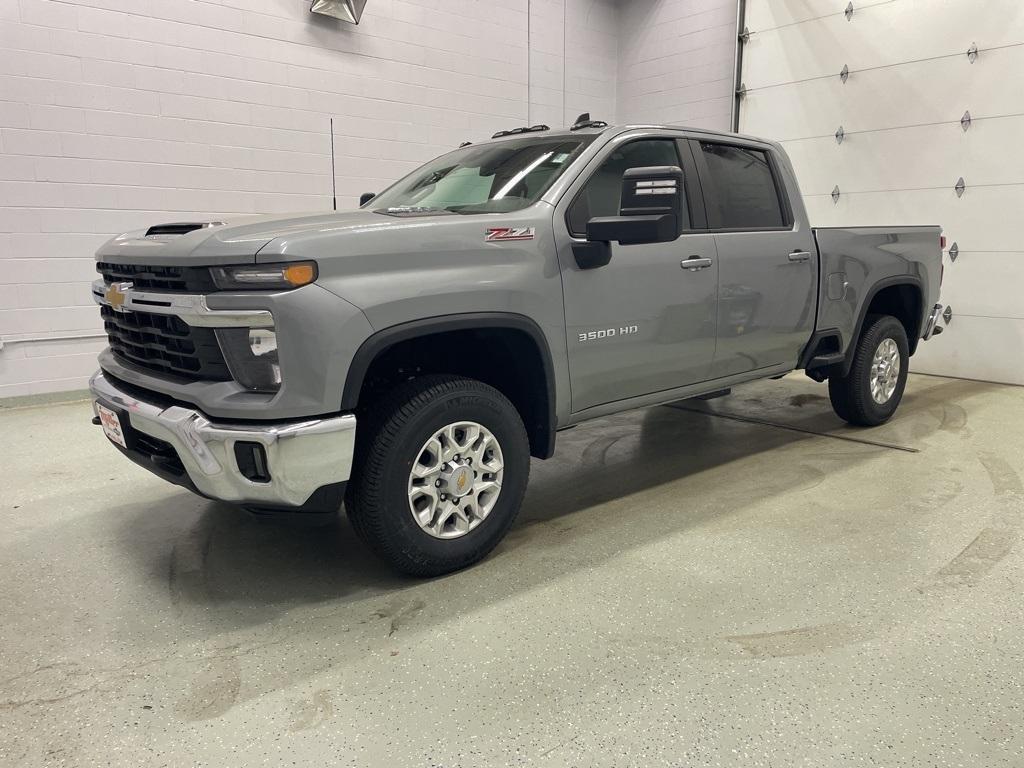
(584, 121)
(334, 176)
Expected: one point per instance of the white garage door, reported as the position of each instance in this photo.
(903, 146)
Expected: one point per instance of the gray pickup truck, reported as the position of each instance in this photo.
(408, 357)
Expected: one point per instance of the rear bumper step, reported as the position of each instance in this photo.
(931, 326)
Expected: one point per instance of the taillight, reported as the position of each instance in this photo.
(942, 242)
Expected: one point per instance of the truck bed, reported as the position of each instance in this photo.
(877, 257)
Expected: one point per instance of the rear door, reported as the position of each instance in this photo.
(767, 262)
(642, 323)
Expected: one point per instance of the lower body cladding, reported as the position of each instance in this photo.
(300, 466)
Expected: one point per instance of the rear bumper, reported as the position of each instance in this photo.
(931, 326)
(304, 459)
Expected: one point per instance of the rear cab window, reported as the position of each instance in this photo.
(741, 188)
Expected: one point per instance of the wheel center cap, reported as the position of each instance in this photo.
(459, 480)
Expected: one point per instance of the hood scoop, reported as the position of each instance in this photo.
(180, 228)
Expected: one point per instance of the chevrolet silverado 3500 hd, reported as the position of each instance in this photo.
(409, 357)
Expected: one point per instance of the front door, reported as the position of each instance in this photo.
(767, 263)
(642, 323)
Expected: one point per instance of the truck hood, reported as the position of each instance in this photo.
(231, 243)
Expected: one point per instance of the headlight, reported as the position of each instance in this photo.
(264, 277)
(251, 355)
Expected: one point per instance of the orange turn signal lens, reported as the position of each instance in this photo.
(300, 274)
(264, 277)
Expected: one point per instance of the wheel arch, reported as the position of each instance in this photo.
(901, 296)
(529, 383)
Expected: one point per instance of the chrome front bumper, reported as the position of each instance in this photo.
(301, 456)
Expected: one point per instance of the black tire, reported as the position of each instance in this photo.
(377, 500)
(851, 394)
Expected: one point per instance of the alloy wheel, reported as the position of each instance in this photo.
(885, 371)
(455, 479)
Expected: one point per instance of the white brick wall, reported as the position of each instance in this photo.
(676, 62)
(573, 59)
(117, 114)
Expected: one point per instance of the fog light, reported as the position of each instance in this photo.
(251, 355)
(251, 459)
(262, 342)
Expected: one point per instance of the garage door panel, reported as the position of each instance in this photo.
(823, 213)
(904, 149)
(913, 94)
(985, 283)
(983, 220)
(881, 209)
(880, 35)
(768, 14)
(983, 348)
(879, 159)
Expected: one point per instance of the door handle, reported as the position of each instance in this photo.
(799, 256)
(695, 263)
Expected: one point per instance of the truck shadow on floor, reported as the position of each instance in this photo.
(613, 484)
(613, 459)
(245, 589)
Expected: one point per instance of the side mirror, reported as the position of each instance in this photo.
(366, 197)
(650, 211)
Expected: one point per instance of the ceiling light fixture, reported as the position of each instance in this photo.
(346, 10)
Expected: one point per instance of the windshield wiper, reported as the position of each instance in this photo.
(412, 210)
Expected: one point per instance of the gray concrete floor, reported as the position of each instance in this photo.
(681, 589)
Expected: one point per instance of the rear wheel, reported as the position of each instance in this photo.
(440, 474)
(870, 393)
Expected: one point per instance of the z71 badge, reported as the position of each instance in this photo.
(502, 234)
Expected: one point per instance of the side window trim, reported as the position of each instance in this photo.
(681, 156)
(694, 187)
(710, 190)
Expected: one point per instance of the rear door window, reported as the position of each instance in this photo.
(744, 193)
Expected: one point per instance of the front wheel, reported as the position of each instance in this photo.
(440, 475)
(870, 393)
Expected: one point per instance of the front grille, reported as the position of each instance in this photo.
(164, 344)
(164, 279)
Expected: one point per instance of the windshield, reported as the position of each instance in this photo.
(492, 178)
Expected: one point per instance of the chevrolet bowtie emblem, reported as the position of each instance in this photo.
(115, 295)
